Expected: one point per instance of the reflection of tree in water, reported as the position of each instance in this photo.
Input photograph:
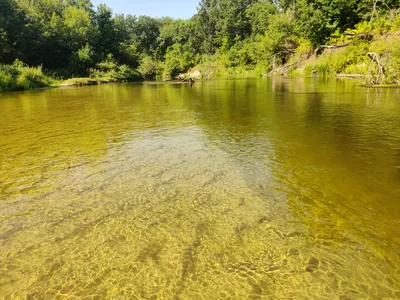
(333, 180)
(232, 105)
(313, 142)
(314, 109)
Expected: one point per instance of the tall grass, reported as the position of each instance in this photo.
(19, 76)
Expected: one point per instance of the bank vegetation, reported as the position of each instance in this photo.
(70, 42)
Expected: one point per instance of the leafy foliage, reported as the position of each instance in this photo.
(72, 38)
(149, 67)
(394, 64)
(109, 70)
(19, 76)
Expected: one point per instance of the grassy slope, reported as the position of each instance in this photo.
(380, 36)
(352, 59)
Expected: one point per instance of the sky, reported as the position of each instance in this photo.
(183, 9)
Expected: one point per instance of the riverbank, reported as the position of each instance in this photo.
(14, 86)
(80, 82)
(19, 76)
(373, 57)
(85, 81)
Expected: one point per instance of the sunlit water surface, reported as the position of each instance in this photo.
(240, 189)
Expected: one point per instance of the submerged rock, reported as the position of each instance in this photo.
(313, 264)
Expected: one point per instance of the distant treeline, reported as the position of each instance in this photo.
(72, 38)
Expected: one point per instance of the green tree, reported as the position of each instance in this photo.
(223, 20)
(317, 20)
(177, 60)
(149, 68)
(82, 60)
(259, 15)
(107, 41)
(12, 31)
(76, 27)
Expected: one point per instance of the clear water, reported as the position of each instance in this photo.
(236, 189)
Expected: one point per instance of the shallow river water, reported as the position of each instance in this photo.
(235, 189)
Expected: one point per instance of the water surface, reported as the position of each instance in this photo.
(237, 189)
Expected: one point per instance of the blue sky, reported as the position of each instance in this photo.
(183, 9)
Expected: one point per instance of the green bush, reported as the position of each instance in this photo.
(320, 70)
(110, 71)
(396, 22)
(82, 60)
(125, 73)
(19, 76)
(393, 69)
(6, 81)
(149, 68)
(177, 60)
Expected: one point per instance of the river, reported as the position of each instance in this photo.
(229, 189)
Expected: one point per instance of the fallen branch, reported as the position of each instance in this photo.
(335, 46)
(361, 34)
(349, 75)
(380, 76)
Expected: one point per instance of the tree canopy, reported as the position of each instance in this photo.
(69, 37)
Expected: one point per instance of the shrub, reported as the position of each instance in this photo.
(6, 81)
(19, 76)
(108, 70)
(125, 73)
(393, 69)
(82, 59)
(149, 68)
(178, 60)
(396, 22)
(321, 70)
